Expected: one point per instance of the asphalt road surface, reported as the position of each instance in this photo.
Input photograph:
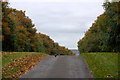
(60, 67)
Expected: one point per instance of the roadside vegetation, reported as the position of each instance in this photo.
(102, 65)
(22, 46)
(16, 63)
(101, 44)
(104, 34)
(20, 33)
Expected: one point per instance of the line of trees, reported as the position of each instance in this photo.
(19, 34)
(104, 34)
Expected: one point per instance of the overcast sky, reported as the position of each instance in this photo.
(65, 21)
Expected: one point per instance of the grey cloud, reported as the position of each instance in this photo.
(63, 22)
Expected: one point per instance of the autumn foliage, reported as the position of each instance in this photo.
(19, 34)
(104, 34)
(15, 64)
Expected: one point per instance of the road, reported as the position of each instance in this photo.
(60, 67)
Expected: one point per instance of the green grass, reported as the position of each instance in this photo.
(8, 57)
(102, 65)
(16, 63)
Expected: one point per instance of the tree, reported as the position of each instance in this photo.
(104, 34)
(19, 34)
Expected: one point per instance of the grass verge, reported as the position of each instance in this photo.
(102, 65)
(16, 63)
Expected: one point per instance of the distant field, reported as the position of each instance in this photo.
(16, 63)
(102, 65)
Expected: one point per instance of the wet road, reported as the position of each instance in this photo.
(60, 67)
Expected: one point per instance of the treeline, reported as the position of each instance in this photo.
(19, 34)
(104, 35)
